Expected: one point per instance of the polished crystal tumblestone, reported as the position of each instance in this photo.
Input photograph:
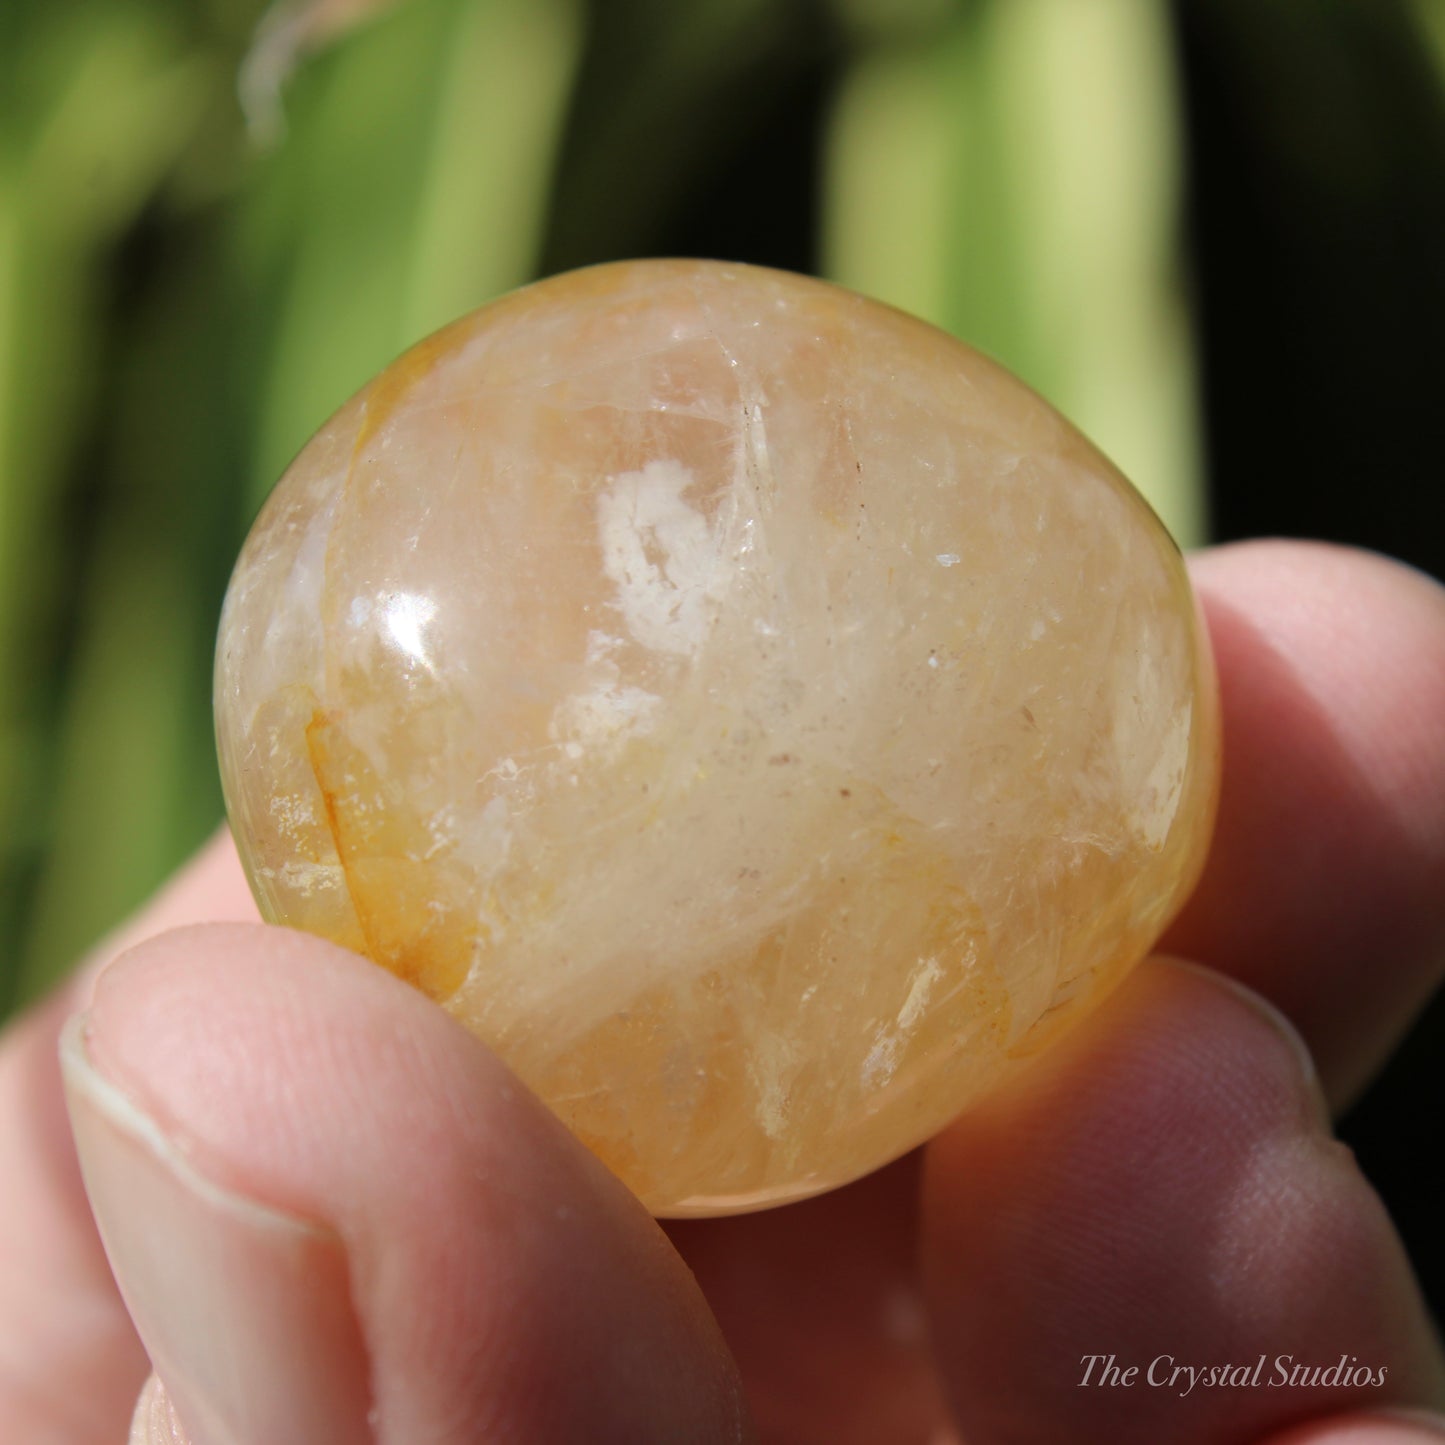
(754, 713)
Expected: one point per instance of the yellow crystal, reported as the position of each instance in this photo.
(755, 714)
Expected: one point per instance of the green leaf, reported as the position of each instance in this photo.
(411, 186)
(1015, 179)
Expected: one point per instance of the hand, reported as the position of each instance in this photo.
(336, 1217)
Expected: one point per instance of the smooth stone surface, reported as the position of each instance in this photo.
(754, 713)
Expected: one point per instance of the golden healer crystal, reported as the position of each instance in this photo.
(755, 714)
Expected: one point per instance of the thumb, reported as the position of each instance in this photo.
(336, 1217)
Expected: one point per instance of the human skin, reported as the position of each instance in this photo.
(336, 1217)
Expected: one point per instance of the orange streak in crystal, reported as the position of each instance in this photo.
(389, 389)
(333, 821)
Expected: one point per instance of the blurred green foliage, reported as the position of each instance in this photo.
(215, 223)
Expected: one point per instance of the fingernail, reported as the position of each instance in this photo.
(244, 1309)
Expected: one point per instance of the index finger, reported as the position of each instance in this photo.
(1325, 885)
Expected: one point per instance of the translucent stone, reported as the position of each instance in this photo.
(755, 714)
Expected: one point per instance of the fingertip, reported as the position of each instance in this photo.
(1329, 848)
(1364, 633)
(1161, 1186)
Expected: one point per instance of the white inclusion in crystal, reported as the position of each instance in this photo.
(948, 559)
(305, 878)
(929, 972)
(888, 1043)
(665, 561)
(603, 715)
(1151, 760)
(881, 1060)
(294, 641)
(601, 645)
(771, 1065)
(291, 812)
(406, 615)
(482, 843)
(755, 447)
(1160, 801)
